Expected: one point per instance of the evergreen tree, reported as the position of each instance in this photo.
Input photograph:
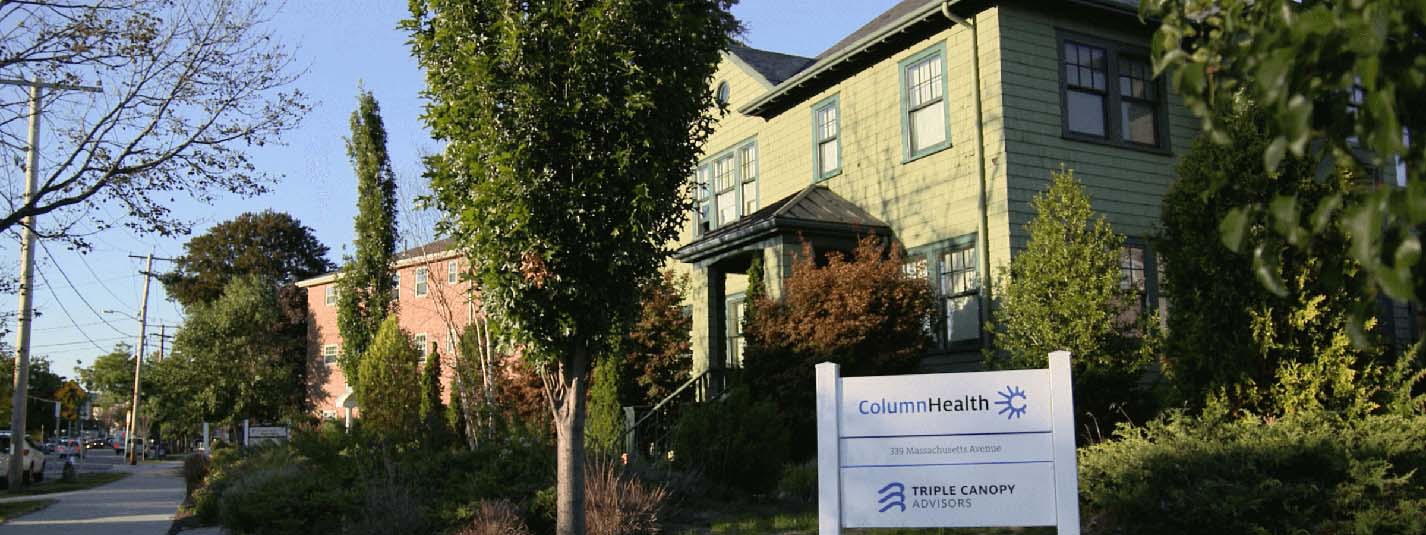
(365, 287)
(433, 412)
(389, 406)
(1229, 335)
(605, 431)
(1063, 292)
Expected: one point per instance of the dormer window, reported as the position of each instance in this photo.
(722, 93)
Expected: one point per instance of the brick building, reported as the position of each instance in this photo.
(433, 306)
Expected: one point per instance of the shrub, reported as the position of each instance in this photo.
(1310, 473)
(858, 310)
(617, 504)
(799, 482)
(195, 470)
(1063, 291)
(392, 502)
(495, 517)
(738, 442)
(277, 493)
(658, 346)
(390, 407)
(604, 425)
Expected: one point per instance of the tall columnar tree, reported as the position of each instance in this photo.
(389, 406)
(433, 411)
(365, 287)
(1227, 334)
(272, 245)
(1063, 292)
(1336, 80)
(571, 128)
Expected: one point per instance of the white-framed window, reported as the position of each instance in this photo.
(826, 138)
(736, 309)
(923, 96)
(722, 93)
(330, 352)
(452, 271)
(423, 281)
(421, 346)
(396, 286)
(330, 294)
(725, 187)
(960, 290)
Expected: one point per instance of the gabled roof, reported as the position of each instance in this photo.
(815, 209)
(773, 66)
(901, 9)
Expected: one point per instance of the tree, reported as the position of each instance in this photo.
(365, 287)
(605, 430)
(1331, 77)
(858, 310)
(1228, 336)
(1063, 292)
(111, 377)
(272, 245)
(571, 129)
(70, 396)
(658, 345)
(433, 411)
(237, 358)
(43, 383)
(188, 85)
(389, 406)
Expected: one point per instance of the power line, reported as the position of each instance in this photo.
(77, 293)
(64, 309)
(81, 342)
(106, 287)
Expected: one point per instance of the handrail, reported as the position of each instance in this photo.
(655, 409)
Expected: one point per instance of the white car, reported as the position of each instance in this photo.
(34, 465)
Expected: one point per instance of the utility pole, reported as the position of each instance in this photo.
(18, 404)
(133, 426)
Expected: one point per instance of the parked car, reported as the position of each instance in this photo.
(34, 458)
(97, 443)
(67, 446)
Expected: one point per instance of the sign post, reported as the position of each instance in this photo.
(980, 449)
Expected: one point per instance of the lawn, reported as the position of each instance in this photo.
(87, 480)
(13, 509)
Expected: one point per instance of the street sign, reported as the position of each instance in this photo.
(947, 450)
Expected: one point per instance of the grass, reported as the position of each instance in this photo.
(11, 510)
(85, 481)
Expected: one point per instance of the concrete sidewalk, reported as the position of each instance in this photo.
(141, 504)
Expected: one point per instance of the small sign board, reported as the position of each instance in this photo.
(260, 434)
(947, 450)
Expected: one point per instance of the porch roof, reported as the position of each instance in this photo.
(814, 212)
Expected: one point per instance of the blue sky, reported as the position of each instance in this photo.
(341, 44)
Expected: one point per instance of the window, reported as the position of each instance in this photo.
(722, 93)
(826, 139)
(923, 101)
(1140, 274)
(736, 309)
(725, 187)
(1131, 268)
(423, 281)
(330, 294)
(421, 347)
(960, 287)
(452, 272)
(748, 166)
(330, 353)
(1130, 113)
(396, 286)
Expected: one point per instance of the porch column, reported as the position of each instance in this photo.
(717, 325)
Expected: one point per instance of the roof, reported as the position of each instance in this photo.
(901, 9)
(814, 209)
(773, 66)
(414, 255)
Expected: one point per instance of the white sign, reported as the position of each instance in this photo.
(267, 432)
(947, 450)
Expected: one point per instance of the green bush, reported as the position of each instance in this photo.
(604, 426)
(739, 443)
(1308, 473)
(799, 482)
(282, 499)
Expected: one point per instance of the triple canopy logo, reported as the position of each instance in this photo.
(892, 495)
(1007, 399)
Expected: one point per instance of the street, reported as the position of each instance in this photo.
(141, 504)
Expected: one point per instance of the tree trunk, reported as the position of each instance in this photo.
(569, 430)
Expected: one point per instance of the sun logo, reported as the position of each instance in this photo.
(1011, 408)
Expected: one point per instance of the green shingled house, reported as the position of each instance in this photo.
(934, 123)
